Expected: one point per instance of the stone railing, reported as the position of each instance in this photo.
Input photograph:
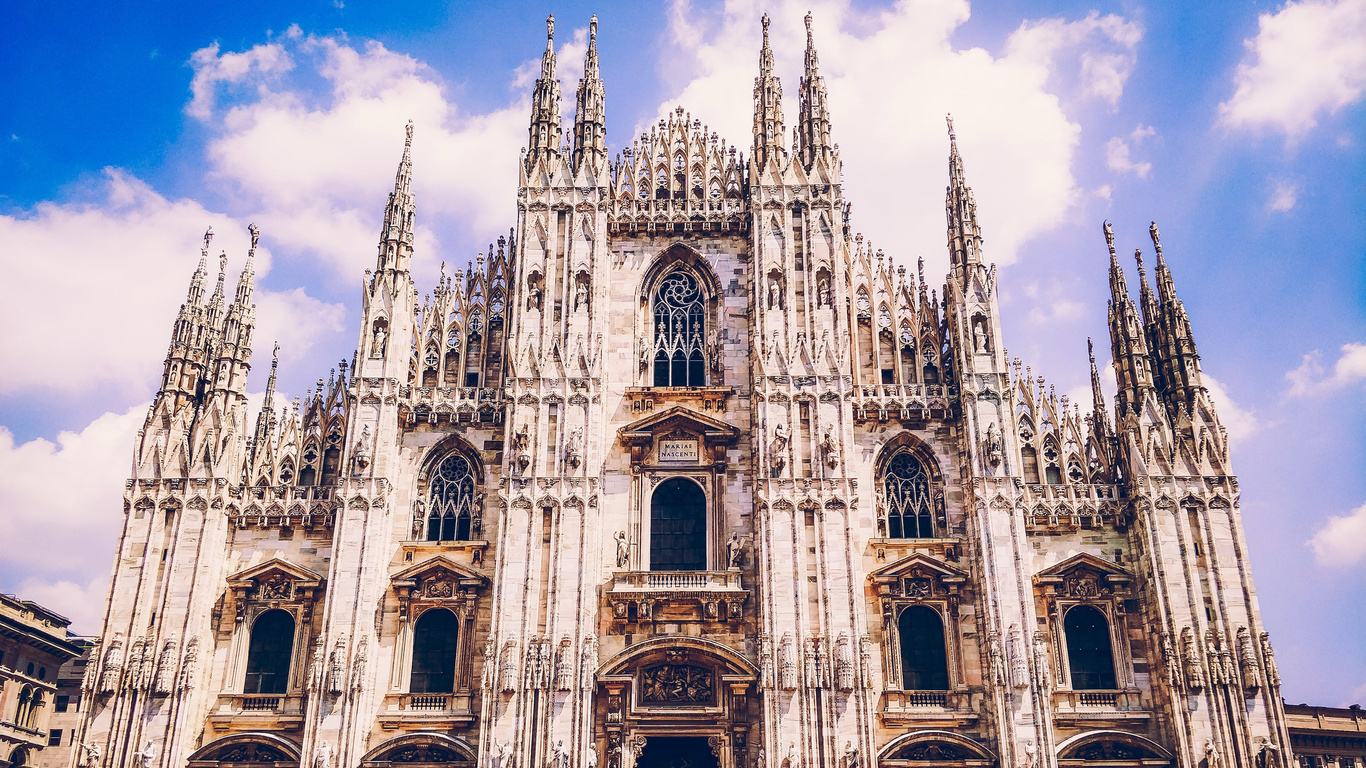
(1099, 707)
(288, 493)
(702, 595)
(675, 580)
(455, 404)
(901, 401)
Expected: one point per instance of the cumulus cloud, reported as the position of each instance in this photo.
(1310, 378)
(95, 285)
(1240, 422)
(1283, 197)
(1342, 540)
(1118, 148)
(212, 68)
(276, 146)
(892, 75)
(1307, 58)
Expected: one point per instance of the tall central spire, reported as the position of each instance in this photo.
(590, 119)
(965, 236)
(813, 113)
(396, 239)
(768, 108)
(544, 140)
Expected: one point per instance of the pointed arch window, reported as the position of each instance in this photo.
(906, 488)
(435, 643)
(1090, 658)
(268, 655)
(451, 507)
(680, 332)
(924, 662)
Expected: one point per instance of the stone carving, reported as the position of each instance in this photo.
(588, 663)
(362, 450)
(787, 663)
(1171, 661)
(777, 449)
(812, 670)
(1268, 754)
(486, 674)
(90, 755)
(1190, 654)
(521, 448)
(559, 757)
(564, 665)
(850, 757)
(276, 588)
(322, 757)
(865, 657)
(358, 665)
(147, 756)
(793, 759)
(1212, 759)
(1273, 675)
(336, 676)
(844, 664)
(830, 450)
(997, 658)
(677, 684)
(380, 341)
(1247, 660)
(1041, 665)
(315, 667)
(735, 551)
(133, 680)
(979, 338)
(163, 683)
(1019, 662)
(510, 666)
(573, 448)
(623, 549)
(90, 680)
(189, 668)
(823, 293)
(991, 446)
(581, 295)
(775, 294)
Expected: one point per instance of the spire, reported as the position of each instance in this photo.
(269, 401)
(590, 120)
(544, 138)
(216, 301)
(246, 284)
(1176, 354)
(1145, 294)
(196, 293)
(768, 108)
(396, 239)
(965, 237)
(1102, 424)
(813, 112)
(266, 418)
(1133, 368)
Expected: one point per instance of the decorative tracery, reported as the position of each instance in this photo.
(680, 332)
(906, 489)
(451, 510)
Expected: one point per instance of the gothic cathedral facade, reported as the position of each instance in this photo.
(683, 472)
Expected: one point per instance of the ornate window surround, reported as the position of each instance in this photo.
(920, 580)
(422, 492)
(1085, 579)
(679, 257)
(906, 441)
(275, 584)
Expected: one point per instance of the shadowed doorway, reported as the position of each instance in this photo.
(677, 752)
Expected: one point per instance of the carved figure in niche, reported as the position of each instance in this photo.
(643, 354)
(823, 293)
(164, 681)
(998, 663)
(503, 750)
(623, 548)
(850, 754)
(363, 450)
(564, 666)
(714, 351)
(775, 294)
(979, 337)
(1211, 756)
(380, 341)
(812, 664)
(337, 669)
(1195, 674)
(830, 450)
(486, 676)
(844, 664)
(787, 664)
(1268, 754)
(1041, 666)
(581, 295)
(573, 455)
(991, 446)
(559, 757)
(510, 666)
(1080, 586)
(1273, 675)
(777, 448)
(765, 661)
(735, 551)
(323, 757)
(90, 757)
(147, 757)
(588, 663)
(865, 659)
(1247, 659)
(419, 515)
(358, 665)
(521, 443)
(315, 667)
(793, 760)
(533, 292)
(1171, 661)
(1031, 754)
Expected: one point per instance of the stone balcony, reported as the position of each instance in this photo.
(904, 402)
(462, 405)
(1098, 708)
(655, 596)
(926, 709)
(259, 711)
(426, 710)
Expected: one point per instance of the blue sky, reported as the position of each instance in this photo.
(127, 129)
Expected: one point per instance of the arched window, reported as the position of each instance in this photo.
(1089, 658)
(924, 664)
(450, 513)
(680, 332)
(678, 527)
(268, 656)
(36, 704)
(25, 703)
(907, 490)
(434, 645)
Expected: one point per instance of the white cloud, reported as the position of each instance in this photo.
(892, 75)
(1307, 58)
(95, 285)
(277, 149)
(1240, 422)
(1283, 197)
(1309, 378)
(1342, 540)
(1118, 148)
(210, 69)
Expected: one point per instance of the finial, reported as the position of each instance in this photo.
(949, 119)
(593, 28)
(1157, 242)
(275, 358)
(550, 32)
(208, 237)
(764, 21)
(255, 235)
(1109, 238)
(1091, 351)
(808, 29)
(408, 131)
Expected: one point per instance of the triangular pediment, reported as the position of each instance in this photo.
(678, 418)
(1083, 564)
(918, 565)
(436, 569)
(273, 569)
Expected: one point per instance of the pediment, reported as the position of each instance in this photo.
(918, 565)
(678, 419)
(1083, 575)
(439, 569)
(273, 570)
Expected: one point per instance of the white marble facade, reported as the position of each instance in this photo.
(682, 471)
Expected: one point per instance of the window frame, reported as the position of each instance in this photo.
(907, 444)
(680, 258)
(706, 519)
(289, 655)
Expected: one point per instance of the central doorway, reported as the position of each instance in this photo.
(677, 752)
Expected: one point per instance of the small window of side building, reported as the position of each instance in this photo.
(54, 737)
(62, 703)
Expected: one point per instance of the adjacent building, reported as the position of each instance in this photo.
(682, 470)
(34, 647)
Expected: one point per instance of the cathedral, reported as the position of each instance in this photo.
(681, 472)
